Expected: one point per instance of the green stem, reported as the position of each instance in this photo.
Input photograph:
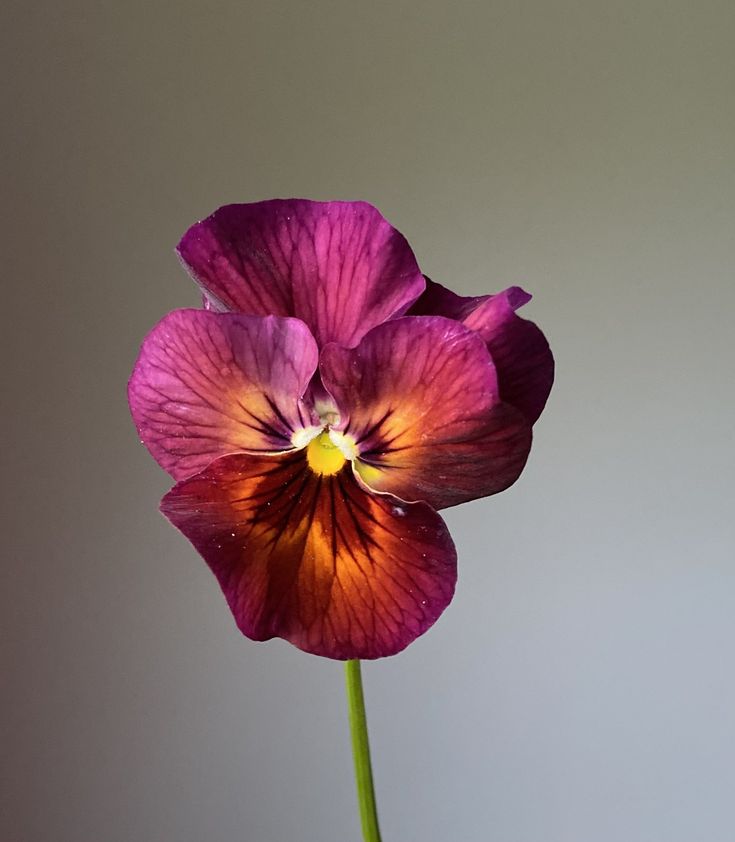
(361, 753)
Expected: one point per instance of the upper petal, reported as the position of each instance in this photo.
(419, 396)
(338, 266)
(317, 560)
(207, 384)
(522, 357)
(437, 300)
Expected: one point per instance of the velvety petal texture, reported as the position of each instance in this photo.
(321, 406)
(315, 559)
(208, 384)
(523, 360)
(419, 396)
(338, 266)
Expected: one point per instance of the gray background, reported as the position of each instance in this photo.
(580, 688)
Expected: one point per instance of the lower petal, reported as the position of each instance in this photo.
(317, 560)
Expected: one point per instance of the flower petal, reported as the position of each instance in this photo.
(523, 360)
(338, 266)
(419, 397)
(317, 560)
(207, 384)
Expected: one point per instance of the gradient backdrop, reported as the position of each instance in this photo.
(581, 687)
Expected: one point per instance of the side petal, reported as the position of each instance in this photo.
(314, 559)
(338, 266)
(523, 359)
(207, 384)
(419, 398)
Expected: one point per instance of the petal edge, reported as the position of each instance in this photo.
(338, 266)
(206, 384)
(335, 570)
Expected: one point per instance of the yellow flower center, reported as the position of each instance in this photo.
(323, 455)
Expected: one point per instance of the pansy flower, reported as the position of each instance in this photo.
(320, 409)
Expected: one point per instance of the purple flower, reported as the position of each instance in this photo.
(320, 409)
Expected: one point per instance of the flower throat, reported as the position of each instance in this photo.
(323, 455)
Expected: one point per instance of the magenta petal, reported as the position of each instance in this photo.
(523, 360)
(440, 301)
(208, 384)
(317, 560)
(338, 266)
(519, 349)
(419, 396)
